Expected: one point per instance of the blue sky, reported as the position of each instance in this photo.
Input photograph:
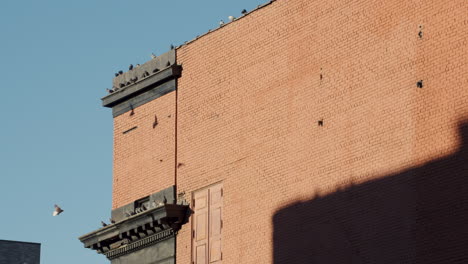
(56, 60)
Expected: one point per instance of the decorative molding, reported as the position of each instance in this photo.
(140, 244)
(138, 231)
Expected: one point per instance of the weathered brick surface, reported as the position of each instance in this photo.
(382, 181)
(251, 96)
(144, 157)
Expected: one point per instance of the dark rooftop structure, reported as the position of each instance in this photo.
(12, 252)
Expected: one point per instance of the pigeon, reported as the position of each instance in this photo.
(231, 18)
(244, 11)
(130, 67)
(57, 210)
(153, 56)
(112, 221)
(221, 22)
(138, 65)
(109, 90)
(120, 72)
(172, 47)
(103, 224)
(116, 74)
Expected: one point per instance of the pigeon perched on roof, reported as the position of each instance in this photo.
(153, 56)
(103, 224)
(244, 11)
(172, 47)
(130, 67)
(109, 90)
(231, 18)
(221, 22)
(57, 210)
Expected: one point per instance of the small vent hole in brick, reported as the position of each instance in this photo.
(129, 130)
(321, 75)
(320, 122)
(420, 84)
(420, 33)
(180, 164)
(155, 123)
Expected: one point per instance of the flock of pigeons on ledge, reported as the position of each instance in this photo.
(134, 79)
(146, 74)
(141, 209)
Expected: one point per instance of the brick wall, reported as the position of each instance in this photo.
(144, 157)
(249, 102)
(252, 93)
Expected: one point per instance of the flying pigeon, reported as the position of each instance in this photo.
(130, 67)
(153, 56)
(103, 224)
(231, 18)
(57, 210)
(244, 11)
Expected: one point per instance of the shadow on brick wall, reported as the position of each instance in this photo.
(417, 216)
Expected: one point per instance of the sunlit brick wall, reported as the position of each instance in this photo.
(144, 150)
(252, 93)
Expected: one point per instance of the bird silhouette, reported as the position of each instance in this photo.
(109, 90)
(57, 210)
(172, 47)
(120, 72)
(244, 11)
(103, 224)
(420, 84)
(130, 67)
(112, 221)
(116, 74)
(153, 56)
(221, 22)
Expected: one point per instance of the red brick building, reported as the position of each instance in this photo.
(303, 132)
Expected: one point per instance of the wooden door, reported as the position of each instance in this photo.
(207, 225)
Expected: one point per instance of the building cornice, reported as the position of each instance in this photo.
(137, 231)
